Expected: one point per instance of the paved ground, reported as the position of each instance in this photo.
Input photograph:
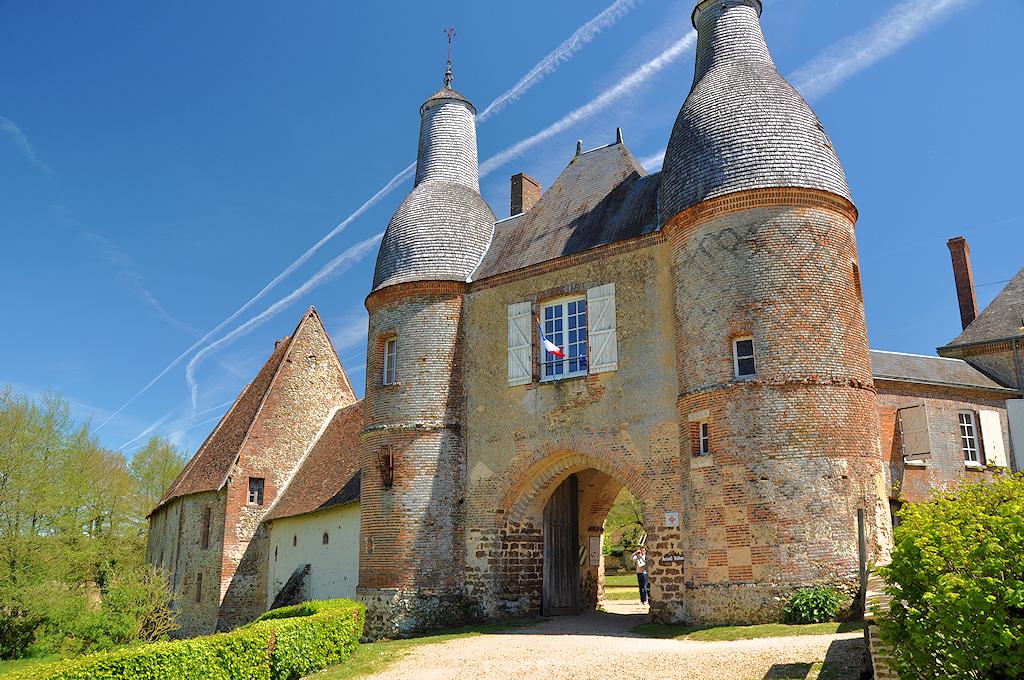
(599, 645)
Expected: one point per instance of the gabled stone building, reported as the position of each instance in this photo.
(712, 358)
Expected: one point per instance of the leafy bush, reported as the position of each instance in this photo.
(957, 584)
(813, 605)
(306, 638)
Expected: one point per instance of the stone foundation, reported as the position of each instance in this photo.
(393, 613)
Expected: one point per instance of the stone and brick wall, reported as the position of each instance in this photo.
(794, 451)
(944, 468)
(611, 429)
(309, 387)
(175, 546)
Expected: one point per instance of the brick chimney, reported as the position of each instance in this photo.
(961, 254)
(525, 192)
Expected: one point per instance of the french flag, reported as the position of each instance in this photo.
(551, 347)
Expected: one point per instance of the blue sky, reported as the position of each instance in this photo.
(160, 164)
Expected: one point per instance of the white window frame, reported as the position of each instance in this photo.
(736, 357)
(703, 438)
(970, 442)
(561, 338)
(389, 375)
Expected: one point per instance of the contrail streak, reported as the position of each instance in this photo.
(546, 66)
(573, 44)
(850, 56)
(336, 266)
(617, 91)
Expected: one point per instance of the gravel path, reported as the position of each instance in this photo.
(599, 645)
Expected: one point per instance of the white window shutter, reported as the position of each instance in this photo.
(604, 351)
(914, 429)
(520, 342)
(992, 438)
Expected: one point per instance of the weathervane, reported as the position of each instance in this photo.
(450, 32)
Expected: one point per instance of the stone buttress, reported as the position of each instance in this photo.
(760, 228)
(412, 538)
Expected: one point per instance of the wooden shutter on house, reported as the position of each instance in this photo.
(992, 438)
(604, 351)
(914, 431)
(519, 344)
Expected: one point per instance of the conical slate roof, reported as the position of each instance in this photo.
(443, 227)
(742, 126)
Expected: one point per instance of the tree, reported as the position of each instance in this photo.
(154, 467)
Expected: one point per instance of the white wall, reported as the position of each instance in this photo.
(1015, 414)
(334, 568)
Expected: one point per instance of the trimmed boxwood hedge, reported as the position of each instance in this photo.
(282, 644)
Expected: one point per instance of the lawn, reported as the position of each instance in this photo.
(620, 580)
(376, 657)
(21, 664)
(728, 633)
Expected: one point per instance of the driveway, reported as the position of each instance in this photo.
(600, 645)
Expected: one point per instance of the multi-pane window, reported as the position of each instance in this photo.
(565, 325)
(390, 360)
(255, 491)
(703, 438)
(969, 437)
(743, 357)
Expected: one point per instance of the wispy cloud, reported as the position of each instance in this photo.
(558, 56)
(339, 264)
(850, 56)
(20, 140)
(133, 280)
(624, 87)
(569, 47)
(350, 330)
(653, 162)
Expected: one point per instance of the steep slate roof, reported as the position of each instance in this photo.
(927, 370)
(329, 474)
(742, 126)
(1002, 319)
(601, 197)
(209, 467)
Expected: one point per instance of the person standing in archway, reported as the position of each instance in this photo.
(642, 579)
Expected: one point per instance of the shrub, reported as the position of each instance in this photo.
(813, 605)
(957, 584)
(278, 646)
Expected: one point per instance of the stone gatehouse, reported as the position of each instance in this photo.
(711, 356)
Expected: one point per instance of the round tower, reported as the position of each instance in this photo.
(782, 464)
(414, 461)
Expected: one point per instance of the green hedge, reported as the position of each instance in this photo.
(957, 584)
(282, 644)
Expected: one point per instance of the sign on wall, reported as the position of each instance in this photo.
(671, 520)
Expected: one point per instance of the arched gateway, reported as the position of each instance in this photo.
(694, 334)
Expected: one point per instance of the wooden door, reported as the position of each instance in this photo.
(561, 546)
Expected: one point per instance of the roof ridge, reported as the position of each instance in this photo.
(923, 356)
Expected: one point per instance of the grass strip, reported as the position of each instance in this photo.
(376, 657)
(729, 633)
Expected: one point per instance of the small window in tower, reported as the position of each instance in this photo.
(704, 435)
(390, 361)
(857, 285)
(743, 357)
(275, 553)
(199, 587)
(204, 533)
(326, 538)
(255, 491)
(295, 541)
